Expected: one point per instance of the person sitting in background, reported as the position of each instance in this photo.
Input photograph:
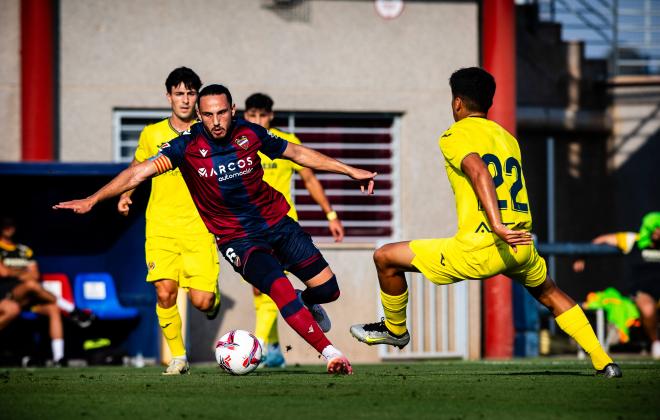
(646, 270)
(20, 287)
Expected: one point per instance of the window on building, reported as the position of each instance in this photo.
(366, 140)
(127, 125)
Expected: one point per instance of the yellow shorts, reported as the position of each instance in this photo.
(191, 261)
(445, 261)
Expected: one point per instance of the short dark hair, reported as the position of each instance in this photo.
(6, 222)
(214, 90)
(475, 86)
(259, 101)
(184, 75)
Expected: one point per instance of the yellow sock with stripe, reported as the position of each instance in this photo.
(395, 311)
(266, 317)
(217, 298)
(170, 323)
(575, 323)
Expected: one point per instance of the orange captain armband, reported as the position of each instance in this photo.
(162, 163)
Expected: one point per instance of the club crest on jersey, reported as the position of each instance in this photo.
(243, 142)
(203, 152)
(163, 146)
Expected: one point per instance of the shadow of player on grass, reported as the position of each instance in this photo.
(205, 332)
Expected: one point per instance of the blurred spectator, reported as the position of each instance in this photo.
(646, 272)
(19, 275)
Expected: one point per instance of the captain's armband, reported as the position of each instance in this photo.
(162, 163)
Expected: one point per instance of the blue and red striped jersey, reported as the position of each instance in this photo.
(225, 177)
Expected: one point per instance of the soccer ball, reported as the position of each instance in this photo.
(238, 352)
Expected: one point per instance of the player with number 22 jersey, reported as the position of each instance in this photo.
(469, 254)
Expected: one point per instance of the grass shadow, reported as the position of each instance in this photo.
(541, 373)
(262, 372)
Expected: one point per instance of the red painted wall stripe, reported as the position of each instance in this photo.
(499, 58)
(37, 80)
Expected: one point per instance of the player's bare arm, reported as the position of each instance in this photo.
(127, 179)
(124, 202)
(29, 273)
(5, 271)
(484, 187)
(313, 185)
(605, 239)
(310, 158)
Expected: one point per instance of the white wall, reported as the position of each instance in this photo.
(10, 79)
(345, 58)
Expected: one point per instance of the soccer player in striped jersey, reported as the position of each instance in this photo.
(278, 173)
(484, 168)
(179, 250)
(221, 166)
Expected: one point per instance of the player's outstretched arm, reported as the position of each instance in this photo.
(310, 158)
(484, 187)
(124, 202)
(127, 179)
(606, 239)
(624, 241)
(315, 189)
(29, 273)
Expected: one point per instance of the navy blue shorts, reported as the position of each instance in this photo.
(286, 241)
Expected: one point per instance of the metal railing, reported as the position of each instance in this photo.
(625, 32)
(437, 320)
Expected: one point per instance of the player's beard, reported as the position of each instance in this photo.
(218, 139)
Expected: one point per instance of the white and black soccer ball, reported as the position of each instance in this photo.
(238, 352)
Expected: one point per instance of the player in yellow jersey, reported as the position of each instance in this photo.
(278, 173)
(484, 167)
(180, 251)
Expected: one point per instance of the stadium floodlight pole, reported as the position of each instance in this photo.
(498, 45)
(37, 80)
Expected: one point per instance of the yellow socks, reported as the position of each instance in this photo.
(266, 315)
(576, 324)
(170, 323)
(395, 311)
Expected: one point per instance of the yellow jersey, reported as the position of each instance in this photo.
(278, 172)
(171, 211)
(501, 154)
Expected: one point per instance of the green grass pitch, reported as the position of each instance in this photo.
(522, 389)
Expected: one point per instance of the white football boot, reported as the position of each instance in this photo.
(177, 367)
